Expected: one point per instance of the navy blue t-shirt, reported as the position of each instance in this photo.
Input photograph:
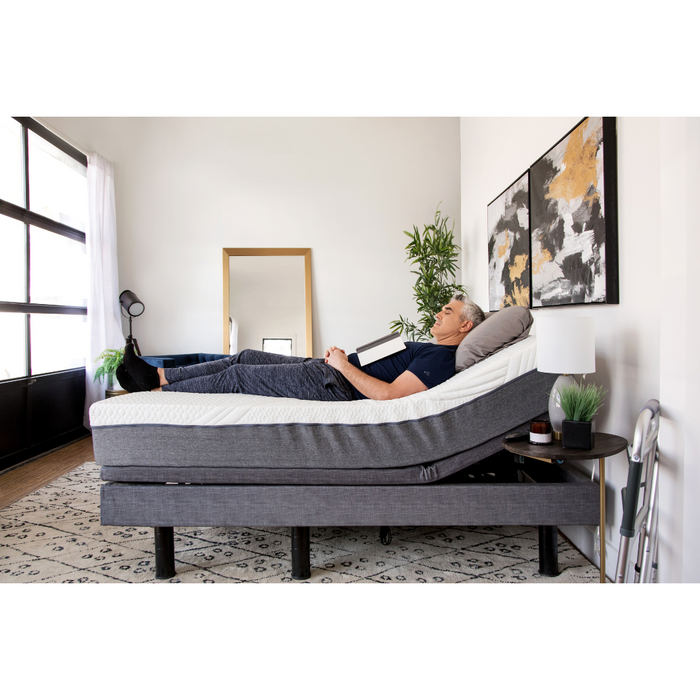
(431, 363)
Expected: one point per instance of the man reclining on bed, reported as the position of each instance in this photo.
(336, 377)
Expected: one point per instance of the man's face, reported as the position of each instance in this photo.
(448, 323)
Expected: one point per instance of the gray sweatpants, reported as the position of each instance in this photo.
(262, 374)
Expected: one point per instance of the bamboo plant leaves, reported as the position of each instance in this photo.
(435, 254)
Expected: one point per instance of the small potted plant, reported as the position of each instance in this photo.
(111, 359)
(580, 403)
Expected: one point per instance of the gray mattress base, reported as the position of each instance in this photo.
(573, 500)
(416, 474)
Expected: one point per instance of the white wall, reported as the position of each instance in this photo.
(679, 246)
(646, 344)
(346, 188)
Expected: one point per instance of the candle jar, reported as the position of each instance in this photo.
(540, 432)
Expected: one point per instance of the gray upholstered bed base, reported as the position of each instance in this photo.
(549, 496)
(571, 502)
(178, 478)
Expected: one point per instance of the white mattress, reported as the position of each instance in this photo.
(185, 409)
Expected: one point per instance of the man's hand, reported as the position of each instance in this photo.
(335, 357)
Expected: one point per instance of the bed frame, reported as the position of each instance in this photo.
(303, 475)
(492, 491)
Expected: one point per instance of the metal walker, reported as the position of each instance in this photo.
(643, 474)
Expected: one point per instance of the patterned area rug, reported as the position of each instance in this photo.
(54, 535)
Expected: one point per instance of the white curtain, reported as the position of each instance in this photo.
(103, 317)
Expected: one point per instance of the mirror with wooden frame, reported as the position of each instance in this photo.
(267, 300)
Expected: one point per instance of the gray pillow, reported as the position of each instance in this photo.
(499, 330)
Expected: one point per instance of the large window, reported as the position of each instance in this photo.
(43, 270)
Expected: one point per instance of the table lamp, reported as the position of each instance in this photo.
(133, 307)
(565, 346)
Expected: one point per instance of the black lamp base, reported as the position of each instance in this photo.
(134, 342)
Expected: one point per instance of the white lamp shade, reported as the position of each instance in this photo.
(565, 345)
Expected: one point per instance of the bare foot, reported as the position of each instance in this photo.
(161, 376)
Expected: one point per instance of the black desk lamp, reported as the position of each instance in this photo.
(134, 307)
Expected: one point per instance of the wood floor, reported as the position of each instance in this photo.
(31, 476)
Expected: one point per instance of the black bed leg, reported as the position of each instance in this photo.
(549, 550)
(301, 553)
(165, 552)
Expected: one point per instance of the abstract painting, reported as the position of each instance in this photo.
(508, 222)
(573, 216)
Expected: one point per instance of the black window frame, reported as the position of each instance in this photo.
(30, 218)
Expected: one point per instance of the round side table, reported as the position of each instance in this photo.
(606, 445)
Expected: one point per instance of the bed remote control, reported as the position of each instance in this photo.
(517, 437)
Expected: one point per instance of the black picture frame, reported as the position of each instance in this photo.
(573, 219)
(508, 223)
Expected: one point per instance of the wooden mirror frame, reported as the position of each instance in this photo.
(305, 252)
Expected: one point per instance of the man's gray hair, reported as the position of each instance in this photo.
(470, 311)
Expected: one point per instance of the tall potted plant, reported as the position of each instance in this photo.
(110, 359)
(580, 403)
(435, 253)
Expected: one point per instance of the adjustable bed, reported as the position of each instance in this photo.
(180, 460)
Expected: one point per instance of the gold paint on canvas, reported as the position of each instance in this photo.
(579, 168)
(540, 260)
(503, 249)
(518, 267)
(520, 297)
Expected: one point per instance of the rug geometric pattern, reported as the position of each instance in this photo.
(54, 535)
